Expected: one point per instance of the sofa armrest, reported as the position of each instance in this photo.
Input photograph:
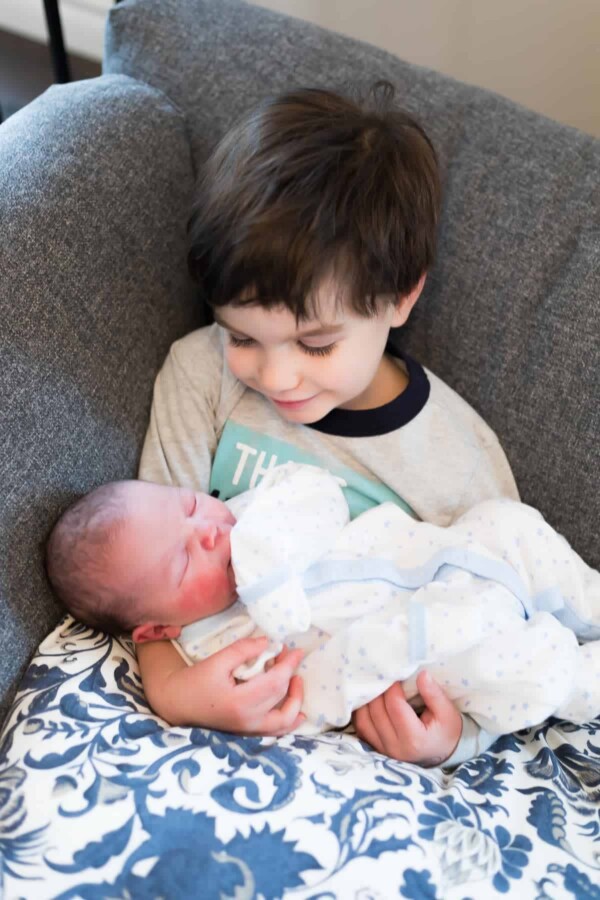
(95, 183)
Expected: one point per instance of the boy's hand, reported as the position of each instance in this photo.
(268, 704)
(208, 695)
(391, 726)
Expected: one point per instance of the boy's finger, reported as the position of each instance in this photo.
(293, 696)
(397, 690)
(262, 693)
(365, 728)
(292, 704)
(285, 650)
(287, 663)
(280, 730)
(399, 711)
(272, 686)
(381, 724)
(296, 689)
(438, 704)
(288, 716)
(243, 651)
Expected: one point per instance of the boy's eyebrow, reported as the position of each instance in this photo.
(323, 329)
(311, 332)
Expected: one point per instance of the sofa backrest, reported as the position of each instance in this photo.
(509, 316)
(95, 179)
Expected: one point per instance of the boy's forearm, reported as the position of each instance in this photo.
(160, 664)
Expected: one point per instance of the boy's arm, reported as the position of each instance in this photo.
(490, 479)
(390, 724)
(182, 434)
(207, 694)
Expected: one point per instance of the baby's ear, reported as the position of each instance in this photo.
(141, 634)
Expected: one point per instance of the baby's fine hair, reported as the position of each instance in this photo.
(314, 185)
(77, 560)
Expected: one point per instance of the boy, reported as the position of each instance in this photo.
(367, 602)
(313, 231)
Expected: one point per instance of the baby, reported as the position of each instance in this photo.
(490, 605)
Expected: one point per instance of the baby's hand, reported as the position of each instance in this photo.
(391, 726)
(268, 704)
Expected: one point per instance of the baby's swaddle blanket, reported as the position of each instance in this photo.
(481, 604)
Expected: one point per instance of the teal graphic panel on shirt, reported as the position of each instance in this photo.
(244, 456)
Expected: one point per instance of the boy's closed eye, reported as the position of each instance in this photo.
(316, 350)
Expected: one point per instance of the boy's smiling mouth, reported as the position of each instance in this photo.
(292, 404)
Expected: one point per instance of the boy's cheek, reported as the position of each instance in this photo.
(235, 364)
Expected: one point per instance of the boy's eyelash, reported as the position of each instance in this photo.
(311, 351)
(240, 342)
(318, 351)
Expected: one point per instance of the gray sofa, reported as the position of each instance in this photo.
(95, 185)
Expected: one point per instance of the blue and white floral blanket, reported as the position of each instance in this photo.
(99, 799)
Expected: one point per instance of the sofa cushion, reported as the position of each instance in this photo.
(95, 180)
(101, 799)
(509, 316)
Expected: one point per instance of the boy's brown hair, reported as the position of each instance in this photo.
(313, 184)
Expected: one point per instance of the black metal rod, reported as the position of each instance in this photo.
(60, 63)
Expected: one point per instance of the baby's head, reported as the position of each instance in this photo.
(143, 558)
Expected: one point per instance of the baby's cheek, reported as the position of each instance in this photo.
(206, 594)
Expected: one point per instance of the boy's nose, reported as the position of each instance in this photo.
(277, 375)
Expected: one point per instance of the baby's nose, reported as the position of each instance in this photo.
(208, 536)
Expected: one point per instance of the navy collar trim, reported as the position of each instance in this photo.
(383, 419)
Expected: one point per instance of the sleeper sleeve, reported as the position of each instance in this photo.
(473, 741)
(296, 514)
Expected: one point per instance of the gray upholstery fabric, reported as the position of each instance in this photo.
(95, 179)
(510, 313)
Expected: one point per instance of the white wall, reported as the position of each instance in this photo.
(82, 22)
(542, 53)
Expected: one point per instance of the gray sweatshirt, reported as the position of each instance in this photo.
(427, 450)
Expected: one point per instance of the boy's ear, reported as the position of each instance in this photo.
(405, 304)
(141, 634)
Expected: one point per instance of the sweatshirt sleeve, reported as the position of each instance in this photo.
(491, 479)
(473, 741)
(182, 435)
